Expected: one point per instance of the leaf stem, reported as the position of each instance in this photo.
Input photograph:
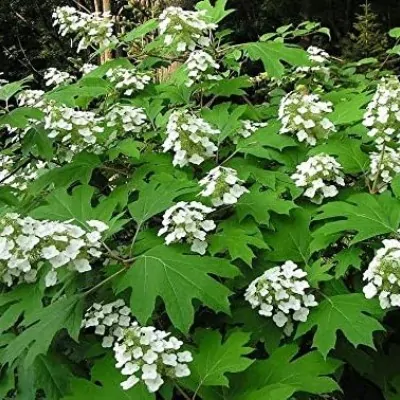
(181, 391)
(103, 282)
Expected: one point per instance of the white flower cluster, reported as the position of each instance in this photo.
(132, 119)
(189, 137)
(223, 186)
(186, 222)
(317, 55)
(70, 125)
(26, 244)
(281, 293)
(94, 30)
(305, 115)
(109, 320)
(87, 68)
(149, 354)
(382, 118)
(384, 166)
(31, 98)
(319, 175)
(249, 127)
(318, 71)
(128, 80)
(383, 275)
(142, 353)
(19, 179)
(54, 77)
(200, 65)
(184, 30)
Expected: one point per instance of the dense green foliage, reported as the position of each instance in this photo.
(242, 196)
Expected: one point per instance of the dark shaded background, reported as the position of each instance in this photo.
(28, 43)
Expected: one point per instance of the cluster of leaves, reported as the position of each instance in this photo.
(237, 353)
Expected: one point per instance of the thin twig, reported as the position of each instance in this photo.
(180, 390)
(15, 171)
(103, 282)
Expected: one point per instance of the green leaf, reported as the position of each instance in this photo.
(155, 197)
(394, 33)
(352, 314)
(345, 259)
(350, 109)
(214, 358)
(291, 238)
(24, 300)
(127, 147)
(79, 169)
(37, 142)
(260, 205)
(259, 142)
(81, 93)
(348, 152)
(7, 383)
(41, 328)
(230, 87)
(307, 373)
(215, 13)
(20, 117)
(52, 376)
(10, 89)
(78, 206)
(141, 30)
(225, 119)
(273, 53)
(62, 206)
(367, 215)
(105, 384)
(178, 279)
(238, 239)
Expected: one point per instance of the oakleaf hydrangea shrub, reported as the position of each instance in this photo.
(186, 217)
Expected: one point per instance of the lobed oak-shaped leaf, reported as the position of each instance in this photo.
(238, 239)
(177, 278)
(367, 215)
(352, 314)
(214, 358)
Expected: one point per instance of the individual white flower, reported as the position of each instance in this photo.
(54, 77)
(150, 355)
(305, 115)
(382, 118)
(190, 137)
(129, 80)
(184, 30)
(201, 66)
(281, 293)
(384, 166)
(186, 222)
(31, 98)
(80, 128)
(249, 127)
(383, 275)
(27, 244)
(223, 186)
(319, 176)
(131, 119)
(92, 30)
(109, 320)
